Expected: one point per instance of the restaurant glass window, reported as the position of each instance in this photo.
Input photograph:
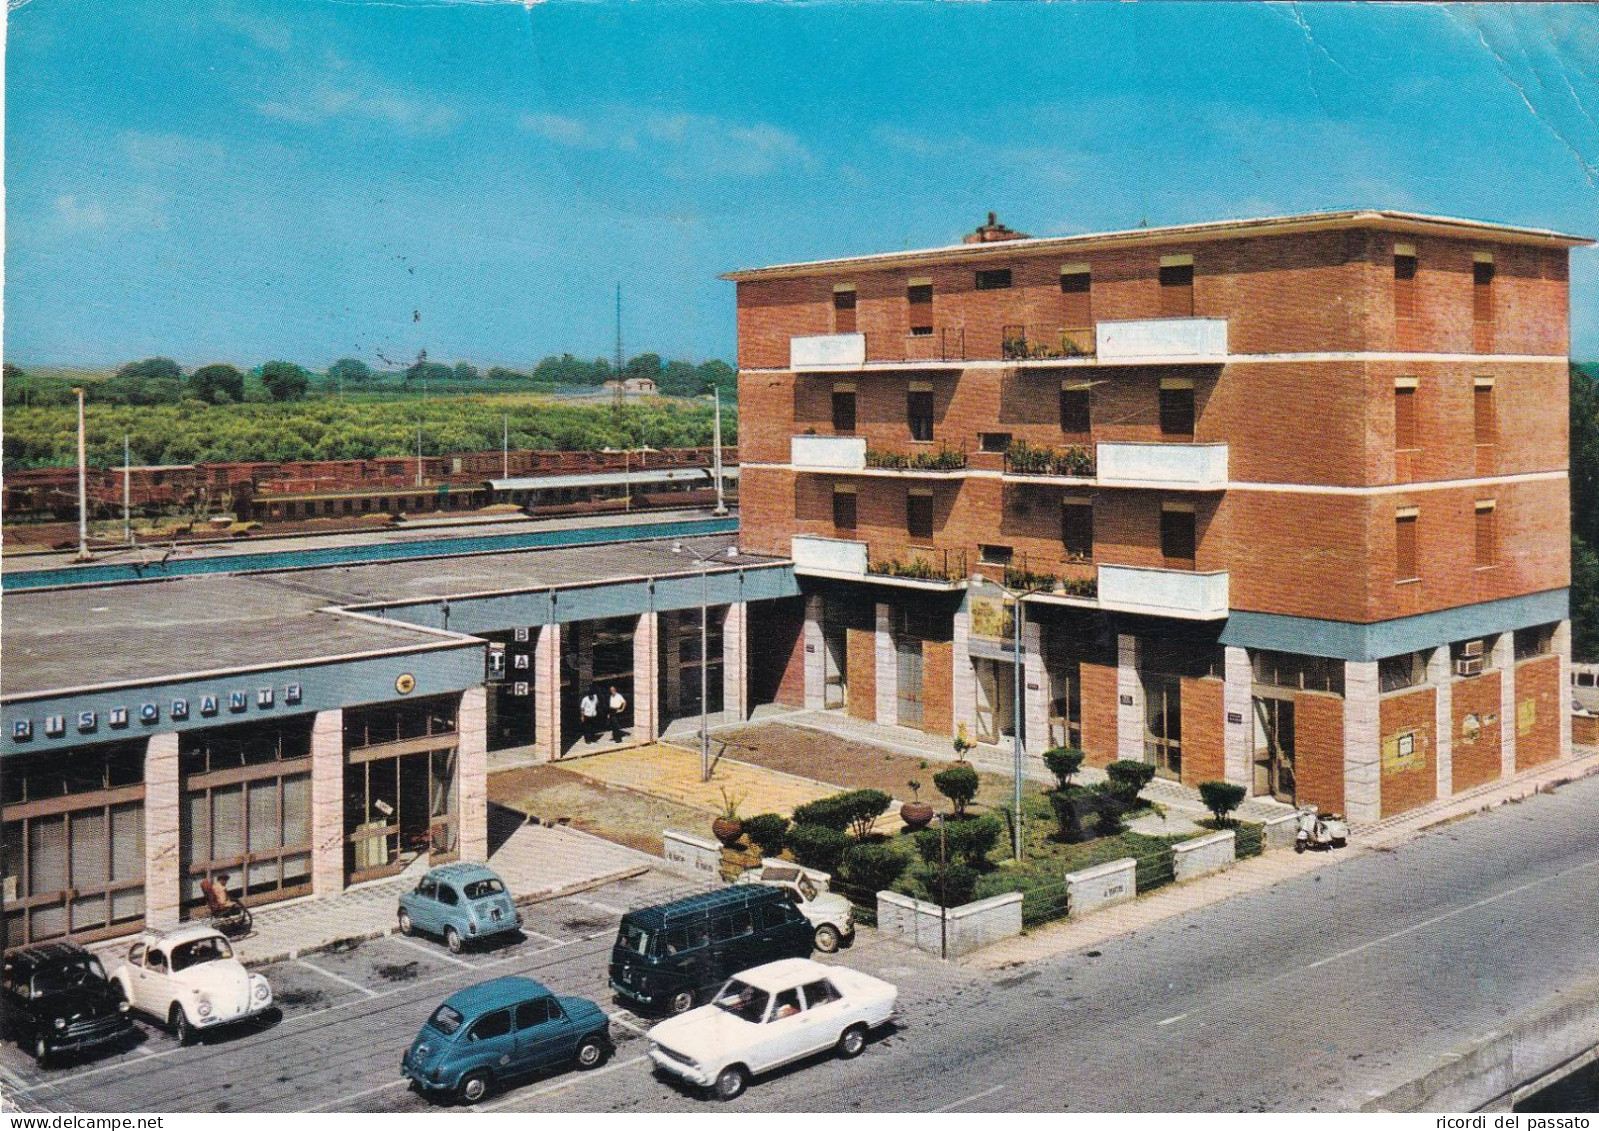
(400, 787)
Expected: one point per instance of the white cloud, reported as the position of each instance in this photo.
(78, 216)
(681, 145)
(361, 100)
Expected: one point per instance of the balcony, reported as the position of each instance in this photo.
(827, 453)
(1188, 341)
(1045, 342)
(1201, 467)
(827, 351)
(1025, 462)
(816, 556)
(849, 455)
(1163, 592)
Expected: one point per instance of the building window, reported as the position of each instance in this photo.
(919, 413)
(1406, 561)
(843, 310)
(1396, 673)
(1482, 291)
(1534, 642)
(919, 515)
(995, 555)
(1177, 286)
(1484, 422)
(1487, 534)
(1303, 673)
(1178, 538)
(844, 509)
(843, 410)
(1177, 411)
(1077, 306)
(1075, 417)
(1404, 281)
(919, 297)
(1407, 436)
(1077, 529)
(1473, 657)
(997, 280)
(993, 441)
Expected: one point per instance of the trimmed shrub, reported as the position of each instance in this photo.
(958, 783)
(824, 812)
(1063, 762)
(1221, 798)
(854, 809)
(767, 831)
(1130, 776)
(1111, 804)
(817, 846)
(874, 867)
(955, 886)
(1071, 806)
(969, 842)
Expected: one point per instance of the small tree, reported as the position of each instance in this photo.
(817, 846)
(952, 885)
(1063, 762)
(824, 811)
(874, 867)
(768, 831)
(1130, 778)
(1221, 798)
(284, 380)
(864, 806)
(967, 841)
(958, 783)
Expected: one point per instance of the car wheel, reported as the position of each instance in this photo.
(852, 1042)
(452, 939)
(827, 938)
(473, 1087)
(407, 928)
(731, 1083)
(41, 1052)
(181, 1027)
(681, 1002)
(591, 1052)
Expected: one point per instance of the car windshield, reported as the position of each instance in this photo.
(211, 949)
(445, 1020)
(807, 889)
(634, 938)
(54, 979)
(482, 889)
(743, 1000)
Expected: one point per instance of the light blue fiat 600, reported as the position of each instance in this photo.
(460, 902)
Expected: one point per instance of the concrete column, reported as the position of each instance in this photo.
(1442, 680)
(1238, 739)
(646, 678)
(163, 797)
(472, 773)
(886, 659)
(735, 662)
(815, 655)
(1129, 700)
(1504, 661)
(327, 803)
(1562, 646)
(1362, 743)
(963, 677)
(547, 693)
(1035, 689)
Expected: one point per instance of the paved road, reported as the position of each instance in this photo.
(1314, 994)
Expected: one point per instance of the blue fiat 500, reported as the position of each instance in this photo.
(493, 1031)
(461, 902)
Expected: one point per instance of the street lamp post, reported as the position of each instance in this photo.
(703, 561)
(1018, 747)
(83, 484)
(716, 452)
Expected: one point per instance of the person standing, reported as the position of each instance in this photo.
(617, 705)
(589, 708)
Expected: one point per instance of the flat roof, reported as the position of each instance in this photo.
(1412, 222)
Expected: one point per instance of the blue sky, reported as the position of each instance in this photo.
(321, 178)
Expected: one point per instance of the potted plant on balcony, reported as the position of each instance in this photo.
(916, 813)
(727, 828)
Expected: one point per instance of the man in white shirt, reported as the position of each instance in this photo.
(589, 708)
(617, 704)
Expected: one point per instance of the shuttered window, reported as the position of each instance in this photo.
(1406, 561)
(997, 280)
(1404, 285)
(919, 516)
(919, 298)
(1482, 291)
(1177, 290)
(1487, 534)
(1077, 307)
(1406, 436)
(1484, 422)
(844, 311)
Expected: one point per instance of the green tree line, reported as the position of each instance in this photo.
(1585, 512)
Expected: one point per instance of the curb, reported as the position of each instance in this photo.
(545, 896)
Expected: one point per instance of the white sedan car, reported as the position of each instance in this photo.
(767, 1017)
(189, 980)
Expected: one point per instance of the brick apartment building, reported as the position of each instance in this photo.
(1288, 497)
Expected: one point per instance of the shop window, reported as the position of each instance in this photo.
(1077, 530)
(919, 515)
(919, 413)
(1396, 673)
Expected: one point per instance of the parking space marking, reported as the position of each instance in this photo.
(969, 1099)
(339, 978)
(526, 930)
(621, 1019)
(559, 1084)
(443, 955)
(1172, 1020)
(402, 1082)
(598, 906)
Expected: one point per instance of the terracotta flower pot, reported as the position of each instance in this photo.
(916, 814)
(727, 831)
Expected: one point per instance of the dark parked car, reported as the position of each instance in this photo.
(57, 1000)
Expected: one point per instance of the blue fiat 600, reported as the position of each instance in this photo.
(462, 902)
(493, 1031)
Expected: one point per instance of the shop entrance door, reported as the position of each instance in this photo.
(996, 700)
(1065, 707)
(908, 681)
(835, 667)
(390, 811)
(1163, 724)
(1274, 748)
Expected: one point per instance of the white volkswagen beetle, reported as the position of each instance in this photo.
(189, 980)
(767, 1017)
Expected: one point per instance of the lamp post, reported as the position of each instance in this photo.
(943, 892)
(1018, 747)
(716, 451)
(83, 485)
(703, 561)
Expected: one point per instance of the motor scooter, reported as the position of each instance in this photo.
(1315, 831)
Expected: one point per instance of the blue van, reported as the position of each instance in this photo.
(493, 1031)
(463, 902)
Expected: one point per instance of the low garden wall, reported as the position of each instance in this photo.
(694, 855)
(927, 926)
(1101, 886)
(1279, 831)
(1203, 855)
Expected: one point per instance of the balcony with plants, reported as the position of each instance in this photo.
(1045, 342)
(946, 459)
(941, 568)
(1074, 462)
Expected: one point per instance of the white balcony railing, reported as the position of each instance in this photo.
(1165, 592)
(827, 351)
(828, 555)
(1162, 339)
(1162, 465)
(828, 453)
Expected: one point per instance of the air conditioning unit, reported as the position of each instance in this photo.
(1471, 648)
(1471, 666)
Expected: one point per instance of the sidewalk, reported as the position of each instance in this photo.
(536, 863)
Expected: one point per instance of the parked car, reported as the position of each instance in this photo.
(497, 1030)
(56, 999)
(669, 956)
(462, 902)
(771, 1016)
(830, 915)
(189, 980)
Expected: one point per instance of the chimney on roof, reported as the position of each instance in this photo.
(993, 232)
